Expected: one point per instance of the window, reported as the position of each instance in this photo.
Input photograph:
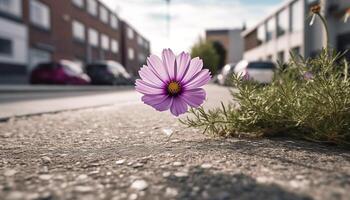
(131, 54)
(297, 16)
(282, 22)
(79, 3)
(271, 27)
(6, 47)
(142, 57)
(38, 56)
(261, 34)
(93, 37)
(130, 33)
(269, 58)
(115, 46)
(13, 7)
(296, 50)
(78, 30)
(40, 14)
(105, 42)
(103, 14)
(114, 22)
(139, 40)
(92, 7)
(281, 56)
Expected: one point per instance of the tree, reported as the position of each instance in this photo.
(207, 53)
(221, 51)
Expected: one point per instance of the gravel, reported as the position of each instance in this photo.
(113, 153)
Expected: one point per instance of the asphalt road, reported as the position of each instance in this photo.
(32, 102)
(122, 152)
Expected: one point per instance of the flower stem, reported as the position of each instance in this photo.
(324, 22)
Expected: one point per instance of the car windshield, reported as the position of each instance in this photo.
(117, 68)
(261, 65)
(72, 68)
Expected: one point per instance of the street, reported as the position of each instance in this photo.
(117, 148)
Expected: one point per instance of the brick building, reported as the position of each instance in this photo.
(135, 48)
(78, 30)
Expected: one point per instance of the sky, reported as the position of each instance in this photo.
(188, 18)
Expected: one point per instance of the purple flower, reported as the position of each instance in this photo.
(308, 76)
(173, 82)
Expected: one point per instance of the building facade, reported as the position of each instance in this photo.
(35, 31)
(287, 30)
(78, 30)
(231, 40)
(135, 49)
(13, 41)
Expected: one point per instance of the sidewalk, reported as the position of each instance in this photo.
(58, 88)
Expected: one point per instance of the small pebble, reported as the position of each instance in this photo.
(120, 162)
(133, 196)
(83, 189)
(171, 192)
(178, 164)
(206, 166)
(10, 172)
(181, 174)
(139, 185)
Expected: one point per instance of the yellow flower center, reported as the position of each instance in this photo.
(174, 87)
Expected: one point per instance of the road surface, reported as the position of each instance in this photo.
(32, 102)
(121, 152)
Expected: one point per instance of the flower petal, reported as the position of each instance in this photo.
(195, 66)
(157, 67)
(200, 79)
(194, 97)
(178, 106)
(145, 88)
(169, 62)
(148, 76)
(182, 63)
(159, 102)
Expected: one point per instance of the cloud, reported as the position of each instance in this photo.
(189, 19)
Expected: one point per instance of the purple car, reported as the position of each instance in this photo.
(63, 72)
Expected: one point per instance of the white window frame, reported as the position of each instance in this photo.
(93, 37)
(114, 46)
(114, 22)
(13, 7)
(130, 33)
(131, 53)
(78, 30)
(104, 14)
(105, 42)
(35, 15)
(79, 3)
(11, 47)
(92, 7)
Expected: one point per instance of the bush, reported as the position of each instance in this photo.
(308, 99)
(207, 52)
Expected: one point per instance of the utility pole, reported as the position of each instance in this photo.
(168, 18)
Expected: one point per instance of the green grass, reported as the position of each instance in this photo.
(315, 108)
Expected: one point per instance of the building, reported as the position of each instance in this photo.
(287, 30)
(13, 42)
(135, 48)
(79, 30)
(231, 40)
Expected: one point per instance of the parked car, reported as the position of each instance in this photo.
(226, 73)
(259, 71)
(63, 72)
(108, 73)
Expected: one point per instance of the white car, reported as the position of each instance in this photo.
(259, 71)
(226, 72)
